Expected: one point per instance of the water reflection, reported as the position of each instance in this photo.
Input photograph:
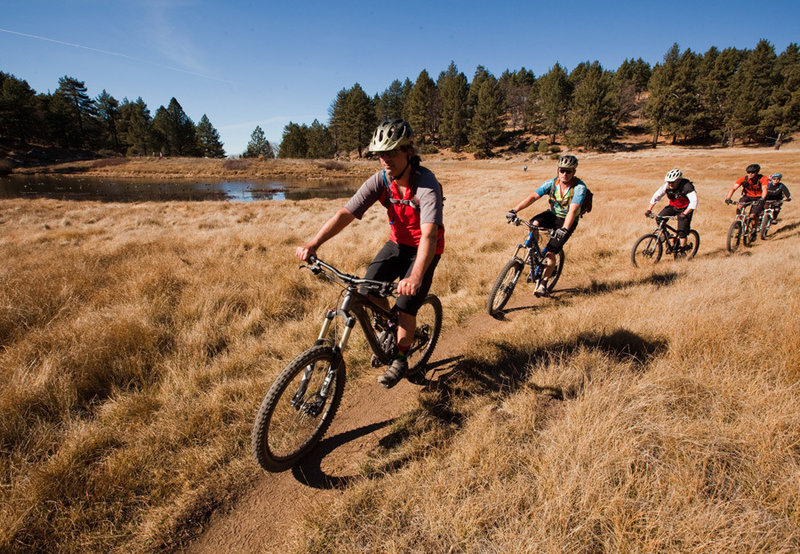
(142, 190)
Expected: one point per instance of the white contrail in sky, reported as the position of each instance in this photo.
(106, 52)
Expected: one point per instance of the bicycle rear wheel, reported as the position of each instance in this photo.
(551, 282)
(646, 250)
(504, 286)
(734, 236)
(748, 234)
(426, 335)
(298, 408)
(692, 244)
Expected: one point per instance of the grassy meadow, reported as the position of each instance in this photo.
(638, 410)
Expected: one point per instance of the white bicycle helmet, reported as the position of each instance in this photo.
(673, 175)
(390, 135)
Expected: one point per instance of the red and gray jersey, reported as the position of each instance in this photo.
(422, 203)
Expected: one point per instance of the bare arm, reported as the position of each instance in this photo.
(331, 228)
(571, 215)
(527, 202)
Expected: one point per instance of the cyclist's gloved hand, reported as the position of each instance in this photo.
(648, 213)
(788, 199)
(560, 234)
(729, 201)
(511, 215)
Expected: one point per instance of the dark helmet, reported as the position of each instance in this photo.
(568, 161)
(390, 135)
(753, 168)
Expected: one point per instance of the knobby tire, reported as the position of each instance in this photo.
(504, 286)
(734, 236)
(429, 327)
(284, 433)
(646, 250)
(765, 225)
(692, 240)
(551, 283)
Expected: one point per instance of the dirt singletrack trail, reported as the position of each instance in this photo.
(260, 520)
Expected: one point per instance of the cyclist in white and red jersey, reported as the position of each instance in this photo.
(414, 204)
(682, 201)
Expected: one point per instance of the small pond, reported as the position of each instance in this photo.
(141, 190)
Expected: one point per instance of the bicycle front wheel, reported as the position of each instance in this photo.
(646, 251)
(504, 286)
(298, 408)
(426, 335)
(765, 225)
(734, 236)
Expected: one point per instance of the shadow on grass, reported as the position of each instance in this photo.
(443, 400)
(310, 471)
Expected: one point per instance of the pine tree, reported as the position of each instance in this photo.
(17, 108)
(486, 126)
(108, 113)
(81, 108)
(555, 92)
(208, 143)
(593, 108)
(175, 130)
(660, 102)
(782, 116)
(630, 83)
(755, 80)
(420, 108)
(389, 105)
(294, 142)
(517, 87)
(259, 146)
(319, 140)
(136, 133)
(352, 119)
(453, 91)
(716, 85)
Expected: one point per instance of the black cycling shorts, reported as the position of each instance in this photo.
(394, 261)
(549, 220)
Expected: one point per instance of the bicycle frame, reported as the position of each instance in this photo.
(354, 308)
(534, 256)
(666, 233)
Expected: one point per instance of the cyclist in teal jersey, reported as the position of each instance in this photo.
(566, 193)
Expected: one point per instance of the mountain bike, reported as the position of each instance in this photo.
(532, 257)
(742, 229)
(648, 249)
(302, 401)
(768, 216)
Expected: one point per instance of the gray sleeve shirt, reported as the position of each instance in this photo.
(429, 195)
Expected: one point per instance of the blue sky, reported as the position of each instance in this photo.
(248, 63)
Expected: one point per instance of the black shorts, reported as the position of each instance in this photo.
(549, 220)
(394, 261)
(684, 221)
(757, 204)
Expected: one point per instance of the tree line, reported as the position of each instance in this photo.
(719, 97)
(69, 118)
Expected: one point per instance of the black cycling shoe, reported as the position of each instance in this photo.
(396, 371)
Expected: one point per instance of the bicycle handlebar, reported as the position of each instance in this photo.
(517, 221)
(318, 267)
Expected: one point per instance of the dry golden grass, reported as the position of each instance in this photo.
(641, 410)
